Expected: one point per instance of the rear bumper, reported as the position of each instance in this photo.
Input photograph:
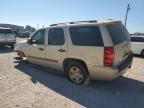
(108, 74)
(126, 63)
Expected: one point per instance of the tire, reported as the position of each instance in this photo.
(21, 54)
(142, 53)
(77, 73)
(12, 46)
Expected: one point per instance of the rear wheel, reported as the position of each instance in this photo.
(12, 46)
(21, 54)
(77, 73)
(142, 53)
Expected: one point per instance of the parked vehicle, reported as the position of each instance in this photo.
(97, 50)
(23, 35)
(137, 45)
(138, 34)
(7, 37)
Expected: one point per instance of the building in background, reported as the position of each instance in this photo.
(15, 28)
(138, 34)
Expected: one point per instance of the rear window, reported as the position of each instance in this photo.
(118, 33)
(86, 36)
(5, 31)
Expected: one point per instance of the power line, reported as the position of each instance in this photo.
(138, 19)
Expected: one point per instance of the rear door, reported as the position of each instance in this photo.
(56, 48)
(86, 44)
(121, 41)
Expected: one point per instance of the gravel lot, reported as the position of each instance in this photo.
(24, 85)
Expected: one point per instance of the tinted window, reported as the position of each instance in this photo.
(137, 39)
(118, 33)
(56, 36)
(38, 37)
(5, 31)
(86, 36)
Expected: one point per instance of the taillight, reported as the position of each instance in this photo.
(108, 56)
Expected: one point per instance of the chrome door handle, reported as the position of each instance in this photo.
(62, 50)
(41, 49)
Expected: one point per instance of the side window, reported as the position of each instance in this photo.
(86, 36)
(137, 39)
(56, 36)
(38, 37)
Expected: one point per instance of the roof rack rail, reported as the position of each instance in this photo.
(53, 24)
(58, 24)
(90, 21)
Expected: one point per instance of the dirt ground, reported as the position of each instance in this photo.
(24, 85)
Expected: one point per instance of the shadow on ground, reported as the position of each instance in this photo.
(5, 49)
(121, 93)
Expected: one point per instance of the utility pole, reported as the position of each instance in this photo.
(128, 9)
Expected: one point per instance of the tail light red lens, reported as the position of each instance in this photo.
(108, 56)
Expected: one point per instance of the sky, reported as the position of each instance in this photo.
(38, 13)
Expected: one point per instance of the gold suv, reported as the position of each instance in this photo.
(97, 50)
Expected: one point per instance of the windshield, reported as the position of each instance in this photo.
(118, 33)
(6, 31)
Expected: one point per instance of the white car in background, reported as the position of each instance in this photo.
(138, 34)
(137, 45)
(7, 37)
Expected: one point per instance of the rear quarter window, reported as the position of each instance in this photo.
(118, 33)
(86, 36)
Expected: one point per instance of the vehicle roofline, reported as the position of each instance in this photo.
(76, 23)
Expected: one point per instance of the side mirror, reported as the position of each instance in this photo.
(29, 41)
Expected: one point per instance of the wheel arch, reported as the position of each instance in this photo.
(142, 52)
(21, 53)
(68, 60)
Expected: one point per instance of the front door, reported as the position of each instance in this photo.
(56, 48)
(37, 48)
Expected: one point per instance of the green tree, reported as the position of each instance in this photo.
(30, 29)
